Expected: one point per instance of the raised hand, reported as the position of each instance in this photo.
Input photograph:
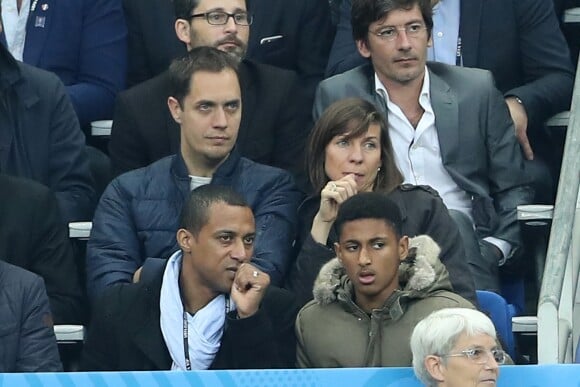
(248, 288)
(331, 197)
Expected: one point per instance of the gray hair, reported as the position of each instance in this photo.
(438, 333)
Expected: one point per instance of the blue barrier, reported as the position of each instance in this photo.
(562, 375)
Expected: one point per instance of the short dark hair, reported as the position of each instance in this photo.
(184, 8)
(202, 58)
(369, 205)
(353, 116)
(195, 212)
(366, 12)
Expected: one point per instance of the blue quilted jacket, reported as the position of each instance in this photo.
(138, 216)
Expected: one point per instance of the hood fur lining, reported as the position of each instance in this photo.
(416, 272)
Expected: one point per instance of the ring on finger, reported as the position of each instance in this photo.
(255, 273)
(332, 186)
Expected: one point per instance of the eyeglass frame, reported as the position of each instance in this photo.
(470, 353)
(206, 15)
(397, 29)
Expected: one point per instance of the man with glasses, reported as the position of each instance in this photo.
(449, 126)
(275, 119)
(456, 347)
(520, 43)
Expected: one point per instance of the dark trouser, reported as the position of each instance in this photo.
(481, 256)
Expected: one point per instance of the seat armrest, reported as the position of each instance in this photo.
(535, 212)
(101, 128)
(525, 324)
(572, 15)
(69, 333)
(80, 230)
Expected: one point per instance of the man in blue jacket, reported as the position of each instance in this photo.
(83, 42)
(139, 211)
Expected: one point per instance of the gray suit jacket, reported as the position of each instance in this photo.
(27, 340)
(476, 138)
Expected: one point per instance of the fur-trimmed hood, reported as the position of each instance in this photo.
(420, 274)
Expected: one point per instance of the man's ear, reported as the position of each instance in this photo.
(185, 239)
(363, 48)
(174, 109)
(435, 367)
(403, 247)
(182, 30)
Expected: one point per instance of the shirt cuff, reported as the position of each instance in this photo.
(503, 246)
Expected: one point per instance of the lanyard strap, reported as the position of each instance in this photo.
(186, 341)
(186, 334)
(459, 54)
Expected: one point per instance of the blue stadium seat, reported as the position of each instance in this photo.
(513, 290)
(501, 314)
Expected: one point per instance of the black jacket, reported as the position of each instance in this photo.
(34, 237)
(423, 212)
(125, 334)
(40, 137)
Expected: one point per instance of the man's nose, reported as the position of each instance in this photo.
(239, 251)
(403, 41)
(231, 26)
(219, 119)
(363, 257)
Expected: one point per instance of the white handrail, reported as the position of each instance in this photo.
(554, 312)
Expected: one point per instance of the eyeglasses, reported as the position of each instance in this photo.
(218, 18)
(480, 355)
(413, 30)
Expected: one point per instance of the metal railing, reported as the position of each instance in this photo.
(556, 307)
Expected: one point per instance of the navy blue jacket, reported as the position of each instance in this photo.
(84, 43)
(40, 138)
(138, 216)
(27, 340)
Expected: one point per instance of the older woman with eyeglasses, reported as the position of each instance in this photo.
(349, 151)
(456, 347)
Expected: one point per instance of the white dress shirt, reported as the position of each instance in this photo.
(418, 155)
(14, 25)
(445, 34)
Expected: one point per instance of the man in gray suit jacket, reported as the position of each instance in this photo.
(449, 126)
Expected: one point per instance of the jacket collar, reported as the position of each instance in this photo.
(145, 314)
(446, 108)
(9, 70)
(224, 172)
(420, 275)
